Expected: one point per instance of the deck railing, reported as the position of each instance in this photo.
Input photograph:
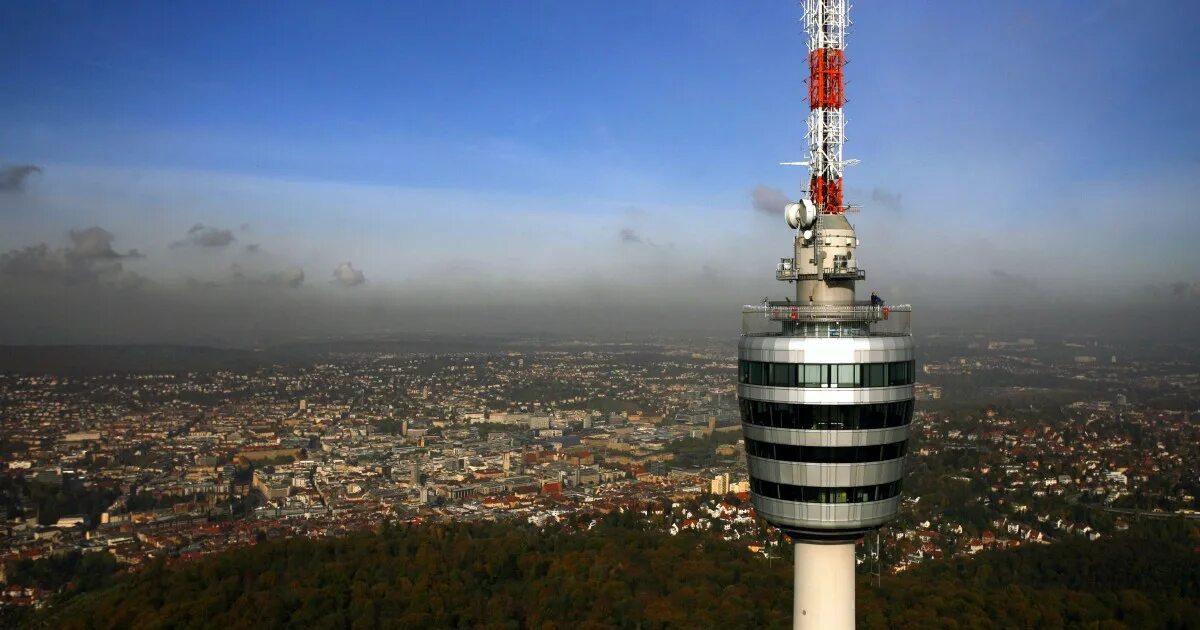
(827, 320)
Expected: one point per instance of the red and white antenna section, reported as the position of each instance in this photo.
(826, 23)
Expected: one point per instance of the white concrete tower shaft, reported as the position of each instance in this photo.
(824, 574)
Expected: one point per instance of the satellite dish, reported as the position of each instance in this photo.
(807, 235)
(791, 214)
(800, 214)
(809, 214)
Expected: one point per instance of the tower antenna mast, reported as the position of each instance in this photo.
(826, 22)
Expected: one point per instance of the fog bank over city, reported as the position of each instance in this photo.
(201, 258)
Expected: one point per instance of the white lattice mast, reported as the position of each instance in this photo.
(826, 22)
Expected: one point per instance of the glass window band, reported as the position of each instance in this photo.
(826, 374)
(779, 415)
(826, 454)
(816, 494)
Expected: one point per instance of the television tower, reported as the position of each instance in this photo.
(825, 382)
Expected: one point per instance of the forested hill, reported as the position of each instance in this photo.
(1148, 577)
(616, 576)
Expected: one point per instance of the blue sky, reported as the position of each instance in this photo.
(458, 94)
(410, 137)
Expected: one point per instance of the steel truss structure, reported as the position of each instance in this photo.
(826, 23)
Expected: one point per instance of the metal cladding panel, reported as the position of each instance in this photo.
(826, 350)
(830, 517)
(825, 437)
(826, 475)
(825, 395)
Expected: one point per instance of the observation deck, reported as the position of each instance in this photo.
(842, 270)
(859, 319)
(826, 395)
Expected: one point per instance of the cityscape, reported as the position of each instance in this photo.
(426, 315)
(1078, 442)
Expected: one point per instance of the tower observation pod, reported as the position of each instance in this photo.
(825, 380)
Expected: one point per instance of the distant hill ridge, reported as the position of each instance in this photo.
(85, 359)
(82, 360)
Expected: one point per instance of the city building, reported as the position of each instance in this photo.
(720, 484)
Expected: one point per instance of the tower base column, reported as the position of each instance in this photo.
(824, 586)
